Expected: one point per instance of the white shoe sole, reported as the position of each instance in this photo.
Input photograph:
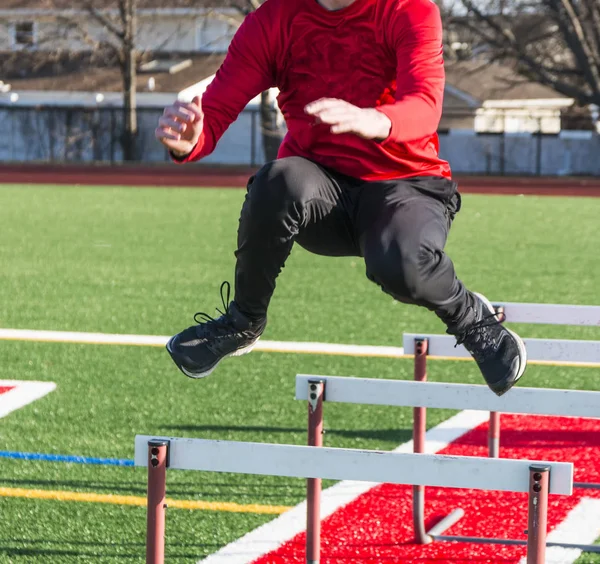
(198, 375)
(519, 341)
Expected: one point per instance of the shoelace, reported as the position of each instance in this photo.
(223, 322)
(473, 331)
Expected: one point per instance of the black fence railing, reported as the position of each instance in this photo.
(84, 135)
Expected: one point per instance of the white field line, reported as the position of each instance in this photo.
(298, 347)
(83, 338)
(161, 341)
(581, 526)
(273, 534)
(23, 393)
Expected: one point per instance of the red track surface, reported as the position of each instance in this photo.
(207, 176)
(376, 527)
(4, 389)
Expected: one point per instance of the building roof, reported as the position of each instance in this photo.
(77, 74)
(484, 81)
(469, 84)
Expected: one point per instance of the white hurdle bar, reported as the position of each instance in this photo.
(550, 314)
(403, 393)
(552, 351)
(419, 395)
(158, 453)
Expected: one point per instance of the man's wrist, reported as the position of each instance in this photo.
(380, 125)
(385, 126)
(179, 155)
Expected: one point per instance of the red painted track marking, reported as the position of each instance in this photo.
(376, 527)
(4, 389)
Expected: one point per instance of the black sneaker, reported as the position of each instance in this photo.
(499, 352)
(198, 349)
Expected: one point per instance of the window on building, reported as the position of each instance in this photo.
(24, 34)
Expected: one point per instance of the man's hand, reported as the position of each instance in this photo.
(180, 126)
(344, 117)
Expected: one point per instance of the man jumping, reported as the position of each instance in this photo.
(358, 174)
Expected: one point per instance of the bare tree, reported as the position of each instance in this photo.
(128, 59)
(119, 19)
(554, 42)
(114, 46)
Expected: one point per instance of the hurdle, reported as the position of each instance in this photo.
(541, 351)
(538, 479)
(546, 314)
(420, 395)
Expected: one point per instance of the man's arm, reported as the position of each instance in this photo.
(415, 31)
(246, 72)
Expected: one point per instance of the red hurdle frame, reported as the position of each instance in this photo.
(158, 461)
(419, 430)
(494, 424)
(539, 480)
(316, 391)
(538, 492)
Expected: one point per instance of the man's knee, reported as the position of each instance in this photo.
(280, 184)
(403, 273)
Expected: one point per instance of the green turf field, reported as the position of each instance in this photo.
(125, 260)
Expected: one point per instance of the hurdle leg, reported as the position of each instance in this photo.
(539, 479)
(158, 451)
(494, 423)
(316, 390)
(422, 536)
(419, 429)
(494, 435)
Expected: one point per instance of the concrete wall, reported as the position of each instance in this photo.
(569, 153)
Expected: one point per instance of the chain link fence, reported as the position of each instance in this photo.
(54, 134)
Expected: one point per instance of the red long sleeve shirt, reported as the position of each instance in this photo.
(384, 54)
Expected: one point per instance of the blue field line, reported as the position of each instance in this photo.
(66, 458)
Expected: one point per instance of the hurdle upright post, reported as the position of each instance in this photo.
(422, 536)
(494, 435)
(158, 458)
(419, 429)
(494, 422)
(537, 526)
(316, 390)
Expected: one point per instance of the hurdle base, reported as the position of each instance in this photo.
(484, 540)
(586, 485)
(445, 523)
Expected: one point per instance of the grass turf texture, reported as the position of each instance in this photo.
(142, 261)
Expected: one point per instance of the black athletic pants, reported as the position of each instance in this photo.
(400, 227)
